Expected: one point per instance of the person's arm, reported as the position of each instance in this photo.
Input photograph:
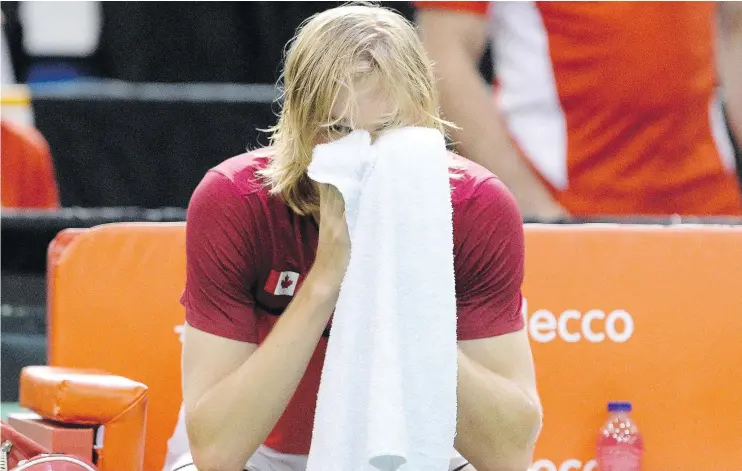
(730, 63)
(499, 413)
(455, 42)
(235, 391)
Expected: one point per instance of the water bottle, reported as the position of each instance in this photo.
(620, 446)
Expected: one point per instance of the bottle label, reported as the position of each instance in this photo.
(619, 458)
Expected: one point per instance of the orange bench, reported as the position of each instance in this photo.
(115, 406)
(113, 306)
(643, 313)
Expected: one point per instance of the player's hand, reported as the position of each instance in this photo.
(333, 249)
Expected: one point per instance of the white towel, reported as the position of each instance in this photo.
(387, 398)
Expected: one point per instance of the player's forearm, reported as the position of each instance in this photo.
(482, 137)
(498, 421)
(231, 421)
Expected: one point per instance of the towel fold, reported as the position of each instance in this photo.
(387, 397)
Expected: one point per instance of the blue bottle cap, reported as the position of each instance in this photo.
(619, 407)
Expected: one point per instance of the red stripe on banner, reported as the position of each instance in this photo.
(272, 283)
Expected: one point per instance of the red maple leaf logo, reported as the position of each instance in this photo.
(287, 282)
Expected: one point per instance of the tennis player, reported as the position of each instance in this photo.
(267, 249)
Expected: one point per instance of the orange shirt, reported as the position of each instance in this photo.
(614, 103)
(27, 170)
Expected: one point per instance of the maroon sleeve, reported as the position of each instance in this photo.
(489, 258)
(220, 261)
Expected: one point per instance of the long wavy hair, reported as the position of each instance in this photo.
(331, 51)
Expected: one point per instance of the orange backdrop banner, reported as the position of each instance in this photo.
(648, 314)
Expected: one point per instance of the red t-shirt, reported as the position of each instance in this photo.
(238, 237)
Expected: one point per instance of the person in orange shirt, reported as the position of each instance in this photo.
(27, 172)
(606, 108)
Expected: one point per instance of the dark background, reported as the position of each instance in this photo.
(135, 144)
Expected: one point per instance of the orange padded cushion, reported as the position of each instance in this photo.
(113, 306)
(88, 397)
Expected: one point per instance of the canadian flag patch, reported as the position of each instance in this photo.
(282, 283)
